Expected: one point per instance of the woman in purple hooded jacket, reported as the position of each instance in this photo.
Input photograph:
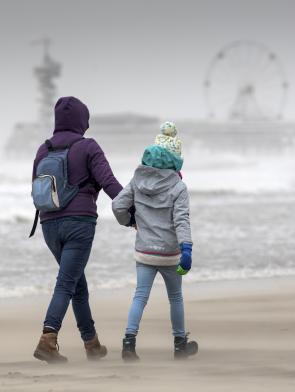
(69, 232)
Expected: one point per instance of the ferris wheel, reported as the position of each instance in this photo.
(245, 81)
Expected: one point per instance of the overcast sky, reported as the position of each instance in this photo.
(133, 55)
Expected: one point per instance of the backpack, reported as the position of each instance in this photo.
(51, 190)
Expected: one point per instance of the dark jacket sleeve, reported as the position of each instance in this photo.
(101, 171)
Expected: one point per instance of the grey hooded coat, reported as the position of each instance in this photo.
(162, 210)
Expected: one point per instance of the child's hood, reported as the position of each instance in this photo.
(151, 181)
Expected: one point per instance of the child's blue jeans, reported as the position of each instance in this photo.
(145, 278)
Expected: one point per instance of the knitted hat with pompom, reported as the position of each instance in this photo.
(168, 138)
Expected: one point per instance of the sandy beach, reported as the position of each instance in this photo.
(245, 331)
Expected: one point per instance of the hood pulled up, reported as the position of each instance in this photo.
(71, 115)
(152, 181)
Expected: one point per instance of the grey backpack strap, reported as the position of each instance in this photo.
(34, 224)
(51, 147)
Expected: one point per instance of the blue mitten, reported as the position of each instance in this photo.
(186, 258)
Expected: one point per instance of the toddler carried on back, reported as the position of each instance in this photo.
(163, 240)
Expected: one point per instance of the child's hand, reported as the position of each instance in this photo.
(186, 258)
(132, 222)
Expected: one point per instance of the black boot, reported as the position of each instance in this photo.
(183, 348)
(128, 350)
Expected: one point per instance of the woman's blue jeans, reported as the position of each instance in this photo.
(70, 241)
(145, 278)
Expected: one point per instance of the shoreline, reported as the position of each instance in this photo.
(200, 290)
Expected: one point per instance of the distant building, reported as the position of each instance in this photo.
(26, 137)
(111, 131)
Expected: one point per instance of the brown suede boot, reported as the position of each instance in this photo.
(94, 350)
(47, 349)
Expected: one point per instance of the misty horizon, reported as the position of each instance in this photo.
(150, 59)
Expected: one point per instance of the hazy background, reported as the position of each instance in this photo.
(151, 58)
(133, 55)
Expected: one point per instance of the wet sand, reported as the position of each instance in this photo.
(245, 331)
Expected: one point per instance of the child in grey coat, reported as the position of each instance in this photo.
(163, 240)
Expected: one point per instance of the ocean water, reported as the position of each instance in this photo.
(242, 216)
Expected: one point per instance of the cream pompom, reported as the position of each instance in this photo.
(168, 128)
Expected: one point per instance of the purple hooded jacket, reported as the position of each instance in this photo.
(85, 160)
